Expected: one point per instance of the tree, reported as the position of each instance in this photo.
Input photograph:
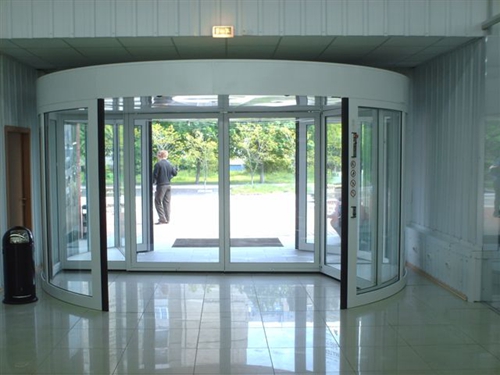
(202, 152)
(334, 147)
(165, 137)
(260, 146)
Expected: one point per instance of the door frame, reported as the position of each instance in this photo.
(23, 179)
(146, 191)
(300, 179)
(98, 297)
(342, 273)
(224, 263)
(352, 296)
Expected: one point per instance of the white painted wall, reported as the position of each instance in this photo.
(136, 18)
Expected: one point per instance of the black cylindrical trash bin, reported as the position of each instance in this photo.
(18, 266)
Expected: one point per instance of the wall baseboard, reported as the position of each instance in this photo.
(436, 281)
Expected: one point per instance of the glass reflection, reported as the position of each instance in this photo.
(113, 104)
(491, 206)
(391, 199)
(270, 100)
(215, 326)
(192, 145)
(65, 174)
(115, 189)
(378, 221)
(264, 179)
(367, 218)
(165, 101)
(333, 190)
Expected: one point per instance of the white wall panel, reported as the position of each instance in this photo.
(120, 18)
(5, 16)
(293, 17)
(63, 19)
(459, 16)
(21, 22)
(313, 21)
(104, 21)
(335, 18)
(273, 19)
(417, 11)
(377, 16)
(246, 18)
(396, 16)
(125, 13)
(147, 18)
(209, 15)
(43, 24)
(445, 123)
(438, 17)
(189, 18)
(84, 19)
(229, 11)
(17, 93)
(355, 17)
(445, 161)
(168, 18)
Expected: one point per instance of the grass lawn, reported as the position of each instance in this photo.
(241, 182)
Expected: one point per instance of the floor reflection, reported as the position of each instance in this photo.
(179, 323)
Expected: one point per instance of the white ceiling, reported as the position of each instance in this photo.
(383, 52)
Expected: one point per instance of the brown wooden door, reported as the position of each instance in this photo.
(18, 184)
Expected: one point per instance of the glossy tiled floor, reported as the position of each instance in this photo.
(250, 324)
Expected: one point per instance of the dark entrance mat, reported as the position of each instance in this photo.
(235, 242)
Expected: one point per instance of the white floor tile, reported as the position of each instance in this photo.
(241, 324)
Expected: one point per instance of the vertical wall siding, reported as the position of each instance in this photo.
(17, 108)
(444, 169)
(446, 124)
(114, 18)
(17, 93)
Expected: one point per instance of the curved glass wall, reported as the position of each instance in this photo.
(379, 215)
(66, 187)
(260, 185)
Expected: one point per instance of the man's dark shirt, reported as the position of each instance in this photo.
(163, 172)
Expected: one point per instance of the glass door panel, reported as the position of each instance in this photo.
(73, 266)
(389, 258)
(141, 190)
(367, 218)
(378, 221)
(66, 161)
(192, 233)
(115, 190)
(333, 183)
(306, 185)
(263, 176)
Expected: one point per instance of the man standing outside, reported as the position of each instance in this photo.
(163, 172)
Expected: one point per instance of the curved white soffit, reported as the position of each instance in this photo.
(219, 77)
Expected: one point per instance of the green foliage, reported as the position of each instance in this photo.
(266, 148)
(166, 137)
(334, 148)
(264, 145)
(192, 145)
(202, 153)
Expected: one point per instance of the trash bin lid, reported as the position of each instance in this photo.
(17, 235)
